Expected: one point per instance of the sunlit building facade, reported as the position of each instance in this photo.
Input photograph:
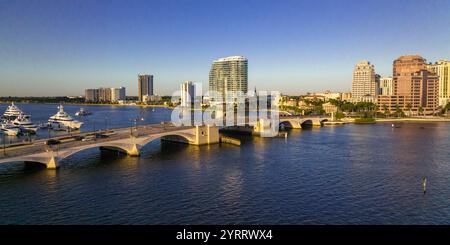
(364, 83)
(228, 78)
(442, 69)
(145, 86)
(386, 86)
(415, 88)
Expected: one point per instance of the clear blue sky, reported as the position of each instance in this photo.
(62, 47)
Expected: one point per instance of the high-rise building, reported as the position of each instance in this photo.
(187, 93)
(415, 88)
(442, 69)
(117, 94)
(105, 94)
(145, 85)
(91, 95)
(228, 78)
(386, 86)
(364, 83)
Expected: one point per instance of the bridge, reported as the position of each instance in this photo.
(126, 140)
(303, 121)
(288, 121)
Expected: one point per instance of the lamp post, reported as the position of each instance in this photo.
(135, 120)
(4, 144)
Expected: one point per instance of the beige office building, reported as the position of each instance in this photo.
(365, 83)
(442, 69)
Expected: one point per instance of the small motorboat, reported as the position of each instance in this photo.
(82, 112)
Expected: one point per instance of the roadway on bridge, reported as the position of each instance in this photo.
(69, 141)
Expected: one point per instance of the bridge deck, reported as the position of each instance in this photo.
(69, 141)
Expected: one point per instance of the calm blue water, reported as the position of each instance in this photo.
(351, 174)
(103, 117)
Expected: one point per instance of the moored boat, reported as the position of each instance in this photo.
(12, 112)
(63, 121)
(25, 125)
(9, 129)
(83, 112)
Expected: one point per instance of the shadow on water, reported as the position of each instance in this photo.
(19, 170)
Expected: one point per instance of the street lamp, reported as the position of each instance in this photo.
(135, 120)
(4, 144)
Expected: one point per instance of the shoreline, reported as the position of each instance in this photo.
(411, 120)
(91, 104)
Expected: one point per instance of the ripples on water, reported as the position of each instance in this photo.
(352, 174)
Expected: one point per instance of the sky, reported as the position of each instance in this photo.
(50, 48)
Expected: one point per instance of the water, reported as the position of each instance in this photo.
(351, 174)
(103, 117)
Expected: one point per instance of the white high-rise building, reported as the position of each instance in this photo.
(228, 78)
(117, 94)
(364, 83)
(386, 86)
(187, 93)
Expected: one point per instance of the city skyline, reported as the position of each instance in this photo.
(69, 46)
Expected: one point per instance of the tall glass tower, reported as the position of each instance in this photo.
(228, 78)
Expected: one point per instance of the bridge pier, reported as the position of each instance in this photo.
(52, 163)
(205, 135)
(134, 152)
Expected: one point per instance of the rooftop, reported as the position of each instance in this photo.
(231, 58)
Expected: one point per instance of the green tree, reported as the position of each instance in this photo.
(409, 106)
(385, 109)
(420, 110)
(398, 111)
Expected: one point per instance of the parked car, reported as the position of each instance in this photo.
(101, 136)
(52, 142)
(89, 138)
(78, 138)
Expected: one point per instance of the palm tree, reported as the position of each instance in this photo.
(398, 110)
(420, 110)
(409, 106)
(385, 108)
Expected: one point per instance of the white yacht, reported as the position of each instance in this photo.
(83, 112)
(25, 125)
(62, 120)
(12, 112)
(9, 129)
